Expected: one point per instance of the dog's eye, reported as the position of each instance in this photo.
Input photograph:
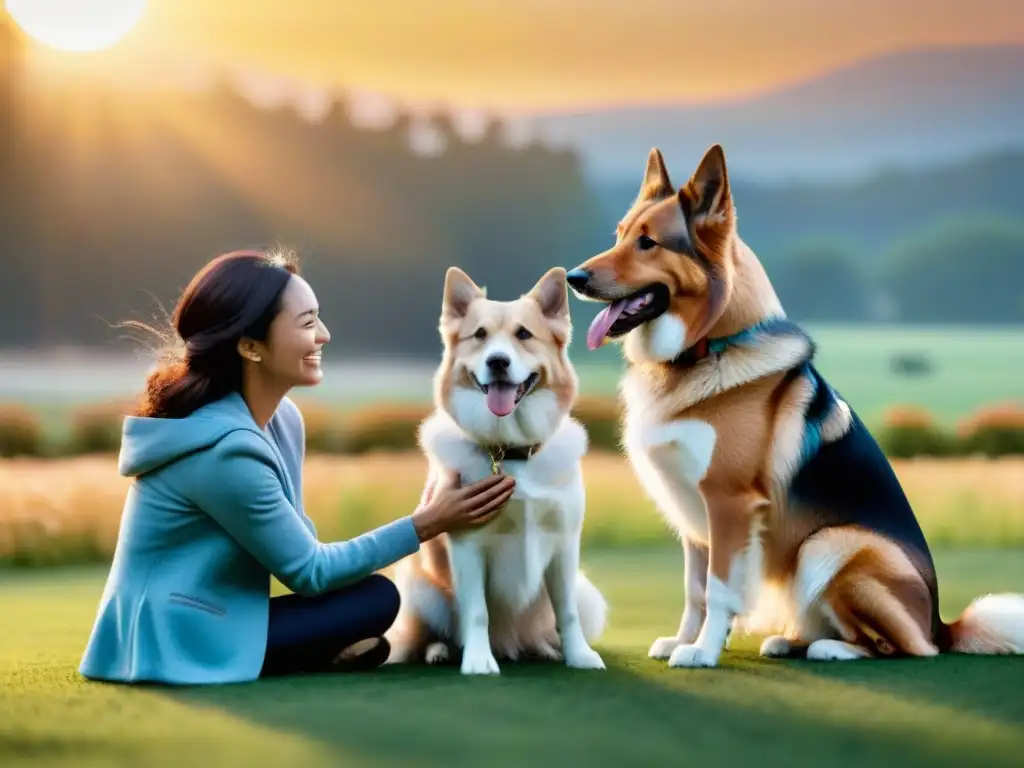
(645, 242)
(522, 334)
(481, 334)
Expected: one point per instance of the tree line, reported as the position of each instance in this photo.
(111, 200)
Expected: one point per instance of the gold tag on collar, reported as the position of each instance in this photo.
(496, 455)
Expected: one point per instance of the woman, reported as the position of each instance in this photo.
(216, 451)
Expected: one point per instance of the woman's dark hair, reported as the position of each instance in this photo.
(235, 295)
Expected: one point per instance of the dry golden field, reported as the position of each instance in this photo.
(54, 511)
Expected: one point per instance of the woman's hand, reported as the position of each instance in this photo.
(449, 507)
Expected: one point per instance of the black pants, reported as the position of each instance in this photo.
(305, 634)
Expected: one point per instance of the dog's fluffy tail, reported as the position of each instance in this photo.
(991, 625)
(593, 609)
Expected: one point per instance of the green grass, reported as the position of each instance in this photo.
(945, 711)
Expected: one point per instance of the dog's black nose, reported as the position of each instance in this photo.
(578, 278)
(498, 363)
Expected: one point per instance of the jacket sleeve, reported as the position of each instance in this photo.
(237, 485)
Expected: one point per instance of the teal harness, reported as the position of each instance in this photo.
(824, 399)
(770, 327)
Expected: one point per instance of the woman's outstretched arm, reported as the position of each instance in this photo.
(236, 483)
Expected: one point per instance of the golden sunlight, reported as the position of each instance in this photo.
(77, 25)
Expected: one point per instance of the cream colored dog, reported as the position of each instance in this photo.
(503, 393)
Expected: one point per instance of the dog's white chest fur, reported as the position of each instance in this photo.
(670, 459)
(546, 509)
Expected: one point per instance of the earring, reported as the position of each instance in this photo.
(255, 358)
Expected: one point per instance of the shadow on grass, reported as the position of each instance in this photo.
(637, 712)
(989, 687)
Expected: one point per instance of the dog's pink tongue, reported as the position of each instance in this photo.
(604, 320)
(501, 399)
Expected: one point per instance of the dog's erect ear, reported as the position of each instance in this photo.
(709, 187)
(459, 292)
(656, 184)
(552, 293)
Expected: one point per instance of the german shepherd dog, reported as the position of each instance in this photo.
(792, 519)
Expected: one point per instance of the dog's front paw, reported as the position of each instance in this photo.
(548, 651)
(776, 647)
(692, 656)
(584, 657)
(663, 647)
(479, 662)
(437, 653)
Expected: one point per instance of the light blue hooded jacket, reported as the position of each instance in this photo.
(215, 509)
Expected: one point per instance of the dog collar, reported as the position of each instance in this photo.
(748, 337)
(500, 453)
(693, 355)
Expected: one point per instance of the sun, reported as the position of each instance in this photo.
(77, 25)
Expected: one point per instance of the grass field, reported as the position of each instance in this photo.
(949, 711)
(60, 510)
(972, 367)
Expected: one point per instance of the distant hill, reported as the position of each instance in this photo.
(908, 109)
(865, 216)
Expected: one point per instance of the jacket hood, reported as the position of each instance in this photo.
(150, 443)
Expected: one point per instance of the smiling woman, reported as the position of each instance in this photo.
(77, 25)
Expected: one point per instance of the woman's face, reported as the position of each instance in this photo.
(291, 352)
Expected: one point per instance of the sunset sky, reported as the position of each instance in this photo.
(546, 54)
